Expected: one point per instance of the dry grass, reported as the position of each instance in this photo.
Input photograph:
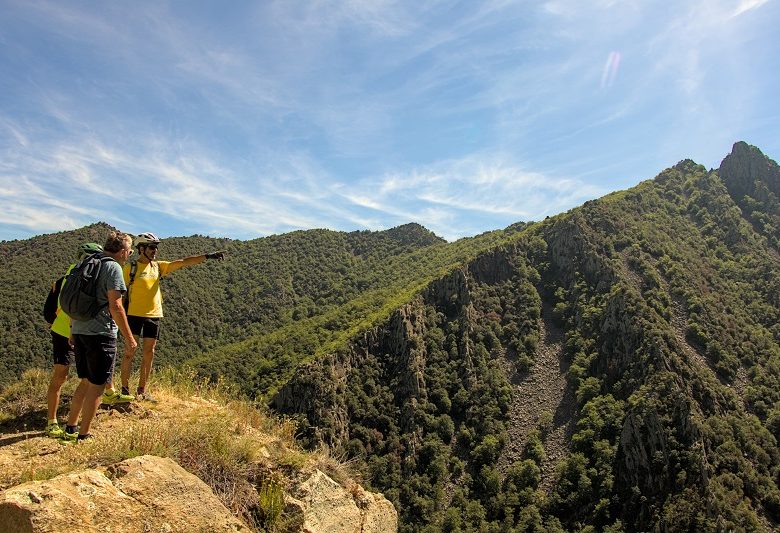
(247, 456)
(185, 383)
(340, 469)
(29, 394)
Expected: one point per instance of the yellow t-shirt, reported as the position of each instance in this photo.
(145, 295)
(61, 324)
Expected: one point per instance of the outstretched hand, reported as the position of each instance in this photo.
(220, 255)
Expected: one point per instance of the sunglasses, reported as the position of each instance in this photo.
(151, 246)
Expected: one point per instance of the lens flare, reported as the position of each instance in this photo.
(610, 69)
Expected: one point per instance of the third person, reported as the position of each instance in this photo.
(144, 305)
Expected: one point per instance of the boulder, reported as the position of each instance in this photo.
(141, 494)
(324, 506)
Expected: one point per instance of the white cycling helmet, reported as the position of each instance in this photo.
(145, 238)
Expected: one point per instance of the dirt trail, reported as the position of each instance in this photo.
(543, 390)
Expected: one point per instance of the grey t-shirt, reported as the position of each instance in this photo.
(110, 279)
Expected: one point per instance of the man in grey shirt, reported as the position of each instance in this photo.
(95, 340)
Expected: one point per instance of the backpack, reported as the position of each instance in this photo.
(78, 295)
(51, 303)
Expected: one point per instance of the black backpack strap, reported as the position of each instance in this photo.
(52, 301)
(133, 271)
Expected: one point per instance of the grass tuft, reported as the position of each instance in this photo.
(270, 503)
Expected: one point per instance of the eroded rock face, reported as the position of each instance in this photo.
(324, 506)
(141, 494)
(747, 171)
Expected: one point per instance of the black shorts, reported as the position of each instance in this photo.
(95, 356)
(144, 327)
(61, 349)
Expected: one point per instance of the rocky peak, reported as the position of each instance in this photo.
(746, 168)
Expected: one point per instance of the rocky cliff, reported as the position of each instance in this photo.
(754, 183)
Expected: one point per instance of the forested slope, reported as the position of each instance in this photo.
(263, 362)
(262, 285)
(660, 307)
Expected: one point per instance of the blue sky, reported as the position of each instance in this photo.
(243, 119)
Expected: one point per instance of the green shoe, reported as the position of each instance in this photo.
(111, 398)
(69, 438)
(53, 430)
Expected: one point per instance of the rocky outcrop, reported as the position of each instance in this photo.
(317, 389)
(576, 249)
(747, 171)
(753, 181)
(141, 494)
(320, 505)
(151, 493)
(492, 267)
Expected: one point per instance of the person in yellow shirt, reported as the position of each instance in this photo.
(144, 304)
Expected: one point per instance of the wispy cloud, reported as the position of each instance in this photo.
(85, 178)
(36, 208)
(448, 196)
(747, 5)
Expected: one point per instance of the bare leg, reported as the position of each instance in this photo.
(92, 398)
(146, 363)
(127, 364)
(77, 402)
(58, 377)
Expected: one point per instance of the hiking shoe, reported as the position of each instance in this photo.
(113, 397)
(69, 438)
(53, 430)
(145, 396)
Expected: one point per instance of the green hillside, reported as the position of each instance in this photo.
(262, 362)
(262, 285)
